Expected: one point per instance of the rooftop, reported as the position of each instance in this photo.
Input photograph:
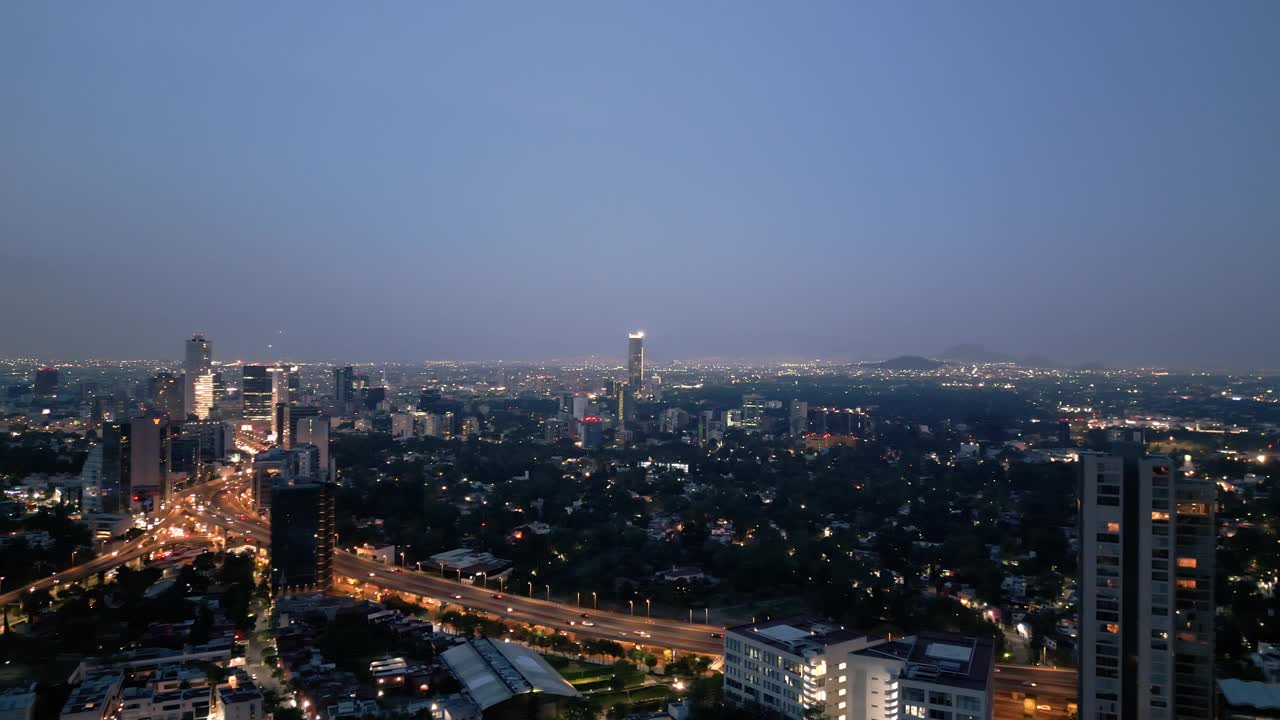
(960, 661)
(1256, 695)
(799, 634)
(493, 672)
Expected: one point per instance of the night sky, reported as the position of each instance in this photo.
(406, 181)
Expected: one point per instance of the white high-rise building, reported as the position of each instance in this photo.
(197, 361)
(1147, 544)
(797, 667)
(315, 431)
(203, 389)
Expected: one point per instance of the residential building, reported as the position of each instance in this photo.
(166, 390)
(796, 667)
(1146, 588)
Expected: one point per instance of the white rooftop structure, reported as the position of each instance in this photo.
(493, 672)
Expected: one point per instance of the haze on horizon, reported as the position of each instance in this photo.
(1086, 182)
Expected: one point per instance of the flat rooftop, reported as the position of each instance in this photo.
(797, 635)
(960, 661)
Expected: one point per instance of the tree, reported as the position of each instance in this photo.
(579, 709)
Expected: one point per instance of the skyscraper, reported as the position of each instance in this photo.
(166, 394)
(149, 462)
(635, 361)
(46, 383)
(114, 487)
(1147, 545)
(256, 393)
(302, 535)
(198, 360)
(204, 396)
(343, 380)
(314, 430)
(281, 426)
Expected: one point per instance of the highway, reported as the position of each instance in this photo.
(1018, 691)
(656, 632)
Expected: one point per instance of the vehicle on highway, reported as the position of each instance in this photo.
(585, 615)
(457, 597)
(1029, 683)
(511, 609)
(642, 633)
(588, 623)
(718, 636)
(497, 596)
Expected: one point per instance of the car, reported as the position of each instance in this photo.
(457, 597)
(718, 636)
(572, 622)
(588, 623)
(511, 609)
(397, 570)
(497, 596)
(1044, 707)
(1029, 683)
(371, 573)
(584, 615)
(642, 633)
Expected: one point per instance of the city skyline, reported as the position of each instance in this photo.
(1088, 184)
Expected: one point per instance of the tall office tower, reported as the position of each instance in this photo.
(752, 410)
(635, 361)
(149, 461)
(343, 386)
(1146, 588)
(626, 404)
(198, 360)
(279, 384)
(315, 431)
(295, 381)
(166, 394)
(91, 480)
(46, 383)
(580, 405)
(204, 396)
(302, 536)
(255, 393)
(114, 489)
(799, 417)
(281, 427)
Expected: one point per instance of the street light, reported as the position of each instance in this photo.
(548, 593)
(646, 607)
(579, 600)
(594, 606)
(530, 588)
(632, 603)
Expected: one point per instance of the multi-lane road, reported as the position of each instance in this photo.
(1019, 691)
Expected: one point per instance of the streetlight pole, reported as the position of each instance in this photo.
(706, 616)
(530, 588)
(578, 602)
(646, 608)
(594, 604)
(548, 593)
(690, 616)
(632, 603)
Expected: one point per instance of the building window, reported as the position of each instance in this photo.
(1187, 563)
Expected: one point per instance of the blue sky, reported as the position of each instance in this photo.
(1088, 181)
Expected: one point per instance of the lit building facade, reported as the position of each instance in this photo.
(197, 361)
(256, 393)
(1147, 545)
(635, 361)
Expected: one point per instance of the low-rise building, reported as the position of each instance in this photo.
(17, 704)
(506, 680)
(95, 698)
(798, 666)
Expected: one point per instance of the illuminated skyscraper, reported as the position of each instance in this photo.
(635, 361)
(149, 461)
(343, 382)
(204, 395)
(256, 393)
(198, 361)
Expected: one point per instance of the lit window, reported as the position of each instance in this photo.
(1186, 584)
(1113, 527)
(1186, 562)
(1112, 628)
(1159, 516)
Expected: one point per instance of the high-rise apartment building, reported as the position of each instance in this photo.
(197, 361)
(302, 535)
(256, 393)
(635, 361)
(281, 426)
(1147, 544)
(113, 486)
(799, 423)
